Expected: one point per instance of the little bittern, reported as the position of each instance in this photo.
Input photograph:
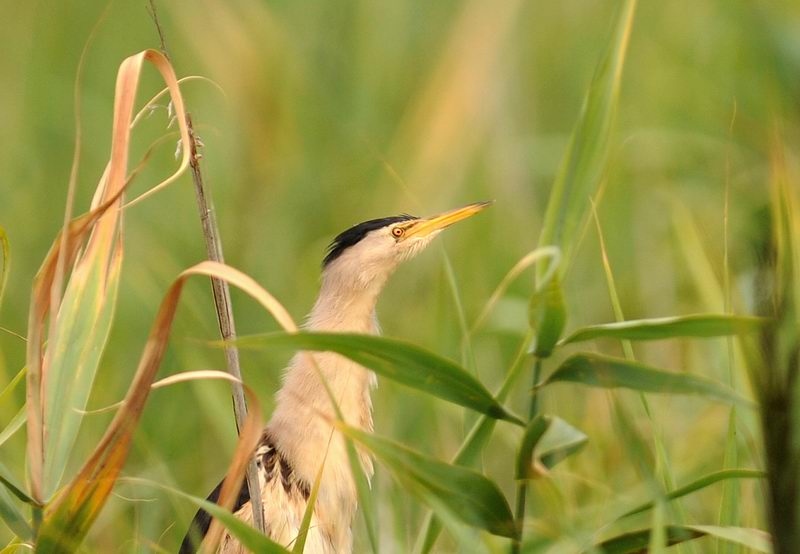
(300, 435)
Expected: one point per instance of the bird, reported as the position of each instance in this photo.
(299, 436)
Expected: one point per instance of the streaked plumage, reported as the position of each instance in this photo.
(299, 436)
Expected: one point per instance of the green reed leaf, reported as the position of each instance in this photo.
(467, 494)
(547, 315)
(472, 446)
(639, 541)
(636, 542)
(560, 441)
(691, 326)
(585, 159)
(536, 429)
(596, 370)
(12, 517)
(396, 360)
(74, 350)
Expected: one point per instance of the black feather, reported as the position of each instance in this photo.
(355, 233)
(202, 519)
(271, 464)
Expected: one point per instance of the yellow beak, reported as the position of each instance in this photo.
(428, 225)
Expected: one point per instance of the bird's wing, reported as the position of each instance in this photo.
(284, 504)
(202, 519)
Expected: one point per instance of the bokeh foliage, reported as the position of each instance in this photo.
(337, 112)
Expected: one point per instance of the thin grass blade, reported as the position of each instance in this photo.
(547, 440)
(248, 439)
(14, 425)
(8, 390)
(20, 417)
(12, 517)
(730, 511)
(5, 251)
(305, 524)
(364, 494)
(585, 160)
(548, 253)
(663, 469)
(729, 507)
(69, 517)
(10, 494)
(8, 481)
(700, 484)
(467, 353)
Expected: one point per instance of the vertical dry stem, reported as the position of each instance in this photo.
(222, 295)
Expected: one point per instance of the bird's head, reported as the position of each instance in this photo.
(366, 254)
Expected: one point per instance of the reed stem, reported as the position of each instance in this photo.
(522, 486)
(222, 294)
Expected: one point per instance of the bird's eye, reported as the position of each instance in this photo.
(398, 232)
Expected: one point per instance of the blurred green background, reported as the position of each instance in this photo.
(337, 112)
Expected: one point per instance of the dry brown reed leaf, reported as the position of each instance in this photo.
(195, 375)
(55, 289)
(249, 436)
(71, 514)
(39, 310)
(181, 377)
(103, 244)
(247, 442)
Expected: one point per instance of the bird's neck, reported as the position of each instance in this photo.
(345, 307)
(301, 423)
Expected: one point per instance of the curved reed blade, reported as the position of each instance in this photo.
(584, 161)
(249, 435)
(69, 517)
(308, 514)
(5, 250)
(60, 377)
(700, 484)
